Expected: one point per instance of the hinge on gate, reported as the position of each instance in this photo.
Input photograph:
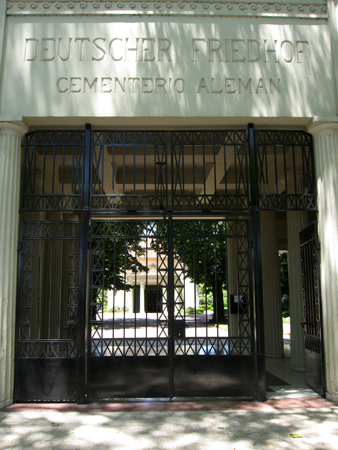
(20, 247)
(89, 245)
(250, 244)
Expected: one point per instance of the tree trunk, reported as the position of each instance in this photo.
(218, 303)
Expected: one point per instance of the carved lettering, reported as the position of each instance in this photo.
(215, 46)
(300, 49)
(196, 48)
(31, 49)
(287, 51)
(68, 56)
(238, 50)
(112, 50)
(100, 48)
(273, 50)
(148, 49)
(82, 41)
(203, 85)
(116, 85)
(230, 86)
(248, 50)
(233, 85)
(164, 46)
(90, 85)
(48, 49)
(246, 86)
(151, 50)
(254, 50)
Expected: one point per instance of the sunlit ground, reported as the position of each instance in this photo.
(152, 325)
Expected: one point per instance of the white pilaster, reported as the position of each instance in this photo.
(10, 152)
(296, 221)
(326, 161)
(272, 298)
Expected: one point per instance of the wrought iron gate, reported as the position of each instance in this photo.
(96, 207)
(176, 341)
(313, 338)
(47, 312)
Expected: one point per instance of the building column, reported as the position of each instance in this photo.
(272, 297)
(296, 221)
(10, 155)
(142, 298)
(326, 162)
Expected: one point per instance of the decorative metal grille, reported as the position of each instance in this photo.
(311, 288)
(138, 255)
(52, 171)
(129, 171)
(48, 290)
(127, 251)
(286, 175)
(164, 171)
(209, 171)
(204, 256)
(181, 171)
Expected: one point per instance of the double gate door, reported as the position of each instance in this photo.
(147, 307)
(156, 319)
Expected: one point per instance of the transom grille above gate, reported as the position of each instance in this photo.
(120, 172)
(159, 171)
(182, 171)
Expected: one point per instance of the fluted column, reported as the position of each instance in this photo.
(296, 221)
(326, 161)
(272, 301)
(10, 152)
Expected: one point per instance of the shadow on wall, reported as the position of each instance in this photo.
(189, 68)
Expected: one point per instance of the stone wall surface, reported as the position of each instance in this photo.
(129, 59)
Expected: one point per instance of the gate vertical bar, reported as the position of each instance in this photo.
(171, 306)
(260, 385)
(82, 396)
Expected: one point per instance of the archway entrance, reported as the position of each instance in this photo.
(133, 243)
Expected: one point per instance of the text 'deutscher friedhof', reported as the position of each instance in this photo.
(123, 65)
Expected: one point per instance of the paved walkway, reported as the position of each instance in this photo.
(182, 425)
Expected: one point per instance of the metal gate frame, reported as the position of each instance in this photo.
(65, 161)
(312, 309)
(205, 361)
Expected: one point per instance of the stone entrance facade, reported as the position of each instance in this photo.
(177, 65)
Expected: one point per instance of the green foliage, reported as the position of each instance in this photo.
(201, 246)
(199, 310)
(284, 273)
(284, 282)
(207, 299)
(121, 255)
(119, 309)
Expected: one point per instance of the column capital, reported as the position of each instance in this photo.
(323, 125)
(16, 128)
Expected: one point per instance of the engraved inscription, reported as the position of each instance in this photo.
(161, 52)
(139, 49)
(248, 50)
